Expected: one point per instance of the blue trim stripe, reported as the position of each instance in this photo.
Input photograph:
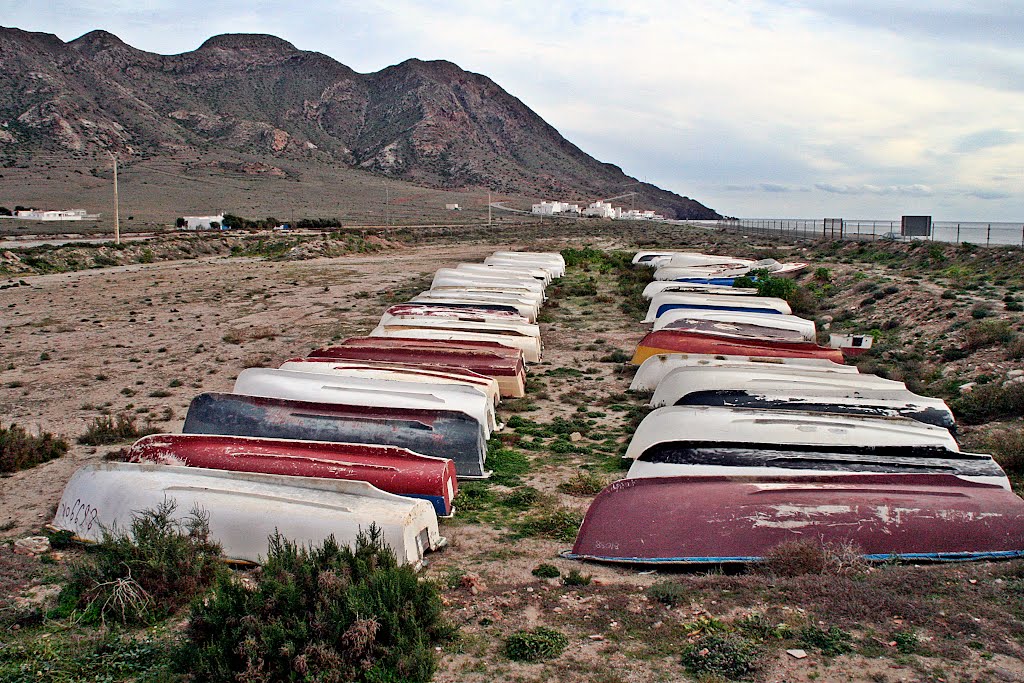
(711, 307)
(880, 557)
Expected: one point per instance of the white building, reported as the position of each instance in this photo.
(453, 207)
(67, 215)
(552, 208)
(600, 210)
(203, 222)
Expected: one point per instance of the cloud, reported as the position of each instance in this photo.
(905, 190)
(984, 139)
(988, 195)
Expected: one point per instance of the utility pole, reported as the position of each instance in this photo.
(488, 208)
(117, 205)
(387, 204)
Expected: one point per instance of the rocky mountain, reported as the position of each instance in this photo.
(429, 123)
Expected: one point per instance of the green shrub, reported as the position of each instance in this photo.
(1007, 447)
(669, 593)
(536, 644)
(106, 430)
(546, 571)
(583, 484)
(324, 613)
(560, 523)
(907, 642)
(20, 450)
(728, 655)
(988, 402)
(619, 356)
(948, 294)
(522, 498)
(981, 311)
(576, 578)
(823, 275)
(1014, 306)
(986, 333)
(142, 573)
(831, 641)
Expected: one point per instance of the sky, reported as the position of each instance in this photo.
(757, 108)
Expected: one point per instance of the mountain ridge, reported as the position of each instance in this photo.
(426, 122)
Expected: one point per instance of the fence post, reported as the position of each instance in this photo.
(958, 233)
(988, 235)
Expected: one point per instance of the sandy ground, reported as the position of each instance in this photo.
(145, 339)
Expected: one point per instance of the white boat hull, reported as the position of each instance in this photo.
(245, 509)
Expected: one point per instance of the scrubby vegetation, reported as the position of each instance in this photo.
(535, 644)
(145, 572)
(325, 613)
(20, 450)
(106, 430)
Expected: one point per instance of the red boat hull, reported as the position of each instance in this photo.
(679, 341)
(692, 520)
(391, 469)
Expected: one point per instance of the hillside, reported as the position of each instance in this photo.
(256, 105)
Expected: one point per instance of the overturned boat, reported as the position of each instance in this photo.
(389, 468)
(504, 364)
(657, 286)
(653, 370)
(710, 339)
(668, 301)
(707, 519)
(246, 508)
(712, 424)
(815, 392)
(530, 346)
(526, 308)
(396, 371)
(439, 433)
(678, 320)
(330, 388)
(515, 269)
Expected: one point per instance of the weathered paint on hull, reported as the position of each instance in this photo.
(687, 520)
(245, 508)
(868, 407)
(441, 434)
(680, 458)
(504, 364)
(672, 341)
(395, 470)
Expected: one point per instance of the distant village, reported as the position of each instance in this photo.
(599, 209)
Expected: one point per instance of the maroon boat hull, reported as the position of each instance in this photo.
(502, 363)
(688, 341)
(692, 520)
(391, 469)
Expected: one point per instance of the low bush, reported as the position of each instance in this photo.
(560, 523)
(616, 356)
(536, 644)
(20, 450)
(669, 593)
(583, 484)
(323, 613)
(831, 641)
(798, 558)
(151, 569)
(576, 578)
(728, 655)
(989, 402)
(106, 430)
(1007, 447)
(546, 571)
(987, 333)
